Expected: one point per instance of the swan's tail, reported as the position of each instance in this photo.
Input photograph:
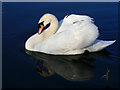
(99, 45)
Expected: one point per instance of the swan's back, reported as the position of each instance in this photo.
(73, 17)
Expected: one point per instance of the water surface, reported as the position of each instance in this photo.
(80, 71)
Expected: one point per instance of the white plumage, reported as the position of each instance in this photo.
(75, 34)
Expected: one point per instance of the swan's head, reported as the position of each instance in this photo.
(45, 22)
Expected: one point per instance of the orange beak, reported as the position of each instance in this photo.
(40, 29)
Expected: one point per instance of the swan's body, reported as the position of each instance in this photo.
(74, 35)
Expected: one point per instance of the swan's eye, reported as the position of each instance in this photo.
(39, 25)
(45, 27)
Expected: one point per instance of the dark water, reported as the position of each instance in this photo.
(79, 71)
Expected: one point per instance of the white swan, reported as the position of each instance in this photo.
(74, 35)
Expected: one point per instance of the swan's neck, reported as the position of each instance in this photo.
(51, 29)
(37, 39)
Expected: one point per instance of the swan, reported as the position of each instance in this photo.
(73, 35)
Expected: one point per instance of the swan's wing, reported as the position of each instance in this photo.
(72, 35)
(99, 45)
(72, 19)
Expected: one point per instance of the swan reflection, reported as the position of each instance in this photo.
(71, 67)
